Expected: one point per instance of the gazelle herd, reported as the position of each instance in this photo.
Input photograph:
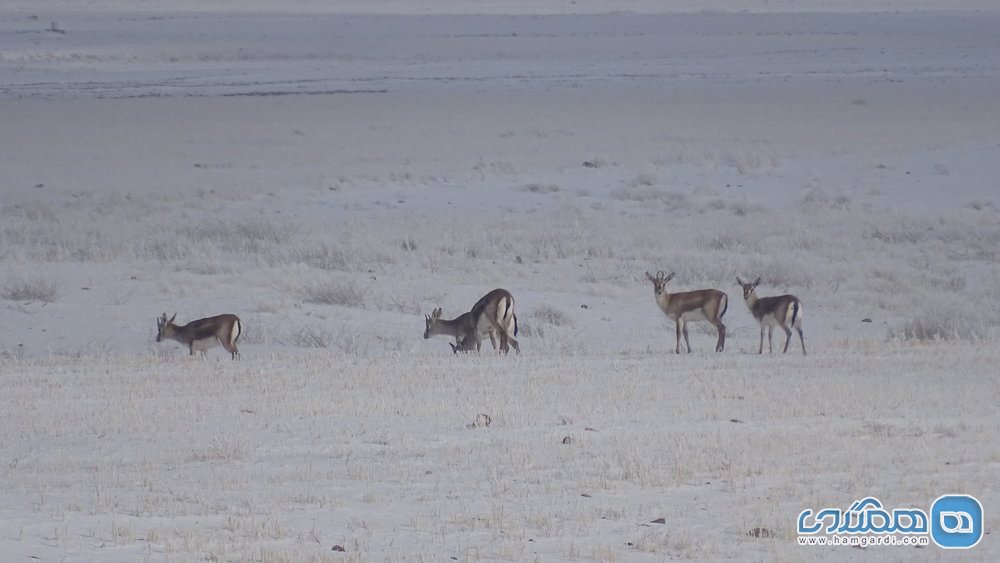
(493, 316)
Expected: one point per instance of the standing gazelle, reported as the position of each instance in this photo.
(202, 334)
(700, 305)
(493, 316)
(780, 310)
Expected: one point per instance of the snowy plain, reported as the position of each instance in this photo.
(331, 172)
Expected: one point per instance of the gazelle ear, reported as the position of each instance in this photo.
(739, 282)
(756, 281)
(650, 276)
(172, 318)
(668, 278)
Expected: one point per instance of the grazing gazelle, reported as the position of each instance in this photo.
(462, 327)
(781, 310)
(202, 334)
(463, 345)
(701, 305)
(493, 316)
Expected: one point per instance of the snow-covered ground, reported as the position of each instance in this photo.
(332, 172)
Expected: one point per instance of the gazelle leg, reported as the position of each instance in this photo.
(802, 340)
(762, 331)
(686, 341)
(788, 337)
(493, 340)
(230, 347)
(770, 339)
(680, 330)
(720, 346)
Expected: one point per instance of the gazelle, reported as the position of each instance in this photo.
(700, 305)
(202, 334)
(462, 328)
(781, 310)
(493, 316)
(463, 345)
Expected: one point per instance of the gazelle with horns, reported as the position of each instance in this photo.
(202, 334)
(493, 316)
(699, 305)
(781, 310)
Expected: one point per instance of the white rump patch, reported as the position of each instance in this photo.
(798, 317)
(236, 332)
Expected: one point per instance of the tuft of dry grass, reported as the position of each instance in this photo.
(24, 290)
(333, 292)
(551, 315)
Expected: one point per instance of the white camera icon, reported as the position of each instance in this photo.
(955, 522)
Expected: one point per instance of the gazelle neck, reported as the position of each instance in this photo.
(448, 327)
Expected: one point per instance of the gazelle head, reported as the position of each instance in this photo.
(748, 288)
(659, 282)
(430, 321)
(165, 327)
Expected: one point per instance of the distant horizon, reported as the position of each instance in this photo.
(512, 7)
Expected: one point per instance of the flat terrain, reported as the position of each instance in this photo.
(332, 176)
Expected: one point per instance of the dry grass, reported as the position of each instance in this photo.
(290, 455)
(40, 290)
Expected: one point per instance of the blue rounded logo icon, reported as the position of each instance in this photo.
(956, 521)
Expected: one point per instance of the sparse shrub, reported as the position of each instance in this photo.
(817, 195)
(530, 330)
(247, 237)
(934, 329)
(537, 188)
(400, 304)
(747, 162)
(31, 290)
(551, 315)
(982, 205)
(312, 336)
(644, 179)
(333, 292)
(309, 337)
(672, 200)
(595, 163)
(725, 242)
(347, 255)
(781, 272)
(322, 256)
(717, 204)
